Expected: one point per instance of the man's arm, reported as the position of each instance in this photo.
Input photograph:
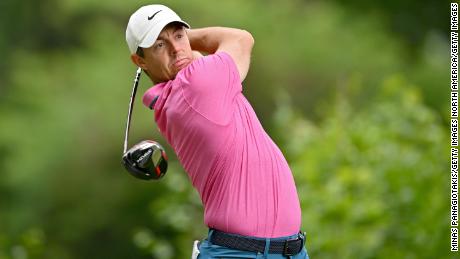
(237, 43)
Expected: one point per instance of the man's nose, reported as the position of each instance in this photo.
(175, 47)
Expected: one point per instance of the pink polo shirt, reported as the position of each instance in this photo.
(242, 177)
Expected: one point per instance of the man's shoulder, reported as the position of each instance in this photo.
(208, 70)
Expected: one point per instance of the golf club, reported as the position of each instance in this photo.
(146, 160)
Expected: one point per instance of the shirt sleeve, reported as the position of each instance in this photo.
(210, 85)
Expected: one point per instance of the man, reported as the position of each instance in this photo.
(247, 189)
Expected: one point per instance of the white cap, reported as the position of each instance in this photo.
(146, 23)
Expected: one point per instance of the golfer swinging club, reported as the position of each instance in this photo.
(248, 192)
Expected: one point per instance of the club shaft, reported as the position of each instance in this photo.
(130, 109)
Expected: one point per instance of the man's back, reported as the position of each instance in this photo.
(243, 179)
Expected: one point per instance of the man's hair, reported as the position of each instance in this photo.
(140, 52)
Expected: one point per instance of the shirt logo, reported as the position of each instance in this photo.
(151, 17)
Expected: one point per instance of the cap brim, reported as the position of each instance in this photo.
(155, 31)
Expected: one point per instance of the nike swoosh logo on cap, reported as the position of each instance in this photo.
(151, 17)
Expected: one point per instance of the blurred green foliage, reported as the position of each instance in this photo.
(354, 93)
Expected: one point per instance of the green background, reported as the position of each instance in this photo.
(355, 93)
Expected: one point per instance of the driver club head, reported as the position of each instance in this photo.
(146, 160)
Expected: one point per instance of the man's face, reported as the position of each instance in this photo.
(169, 54)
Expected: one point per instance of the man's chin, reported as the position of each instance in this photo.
(177, 69)
(181, 64)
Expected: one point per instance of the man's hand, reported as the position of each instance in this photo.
(237, 43)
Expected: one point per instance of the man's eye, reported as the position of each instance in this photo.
(159, 45)
(179, 36)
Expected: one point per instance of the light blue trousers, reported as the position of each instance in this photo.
(211, 251)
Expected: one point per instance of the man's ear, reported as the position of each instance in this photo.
(138, 61)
